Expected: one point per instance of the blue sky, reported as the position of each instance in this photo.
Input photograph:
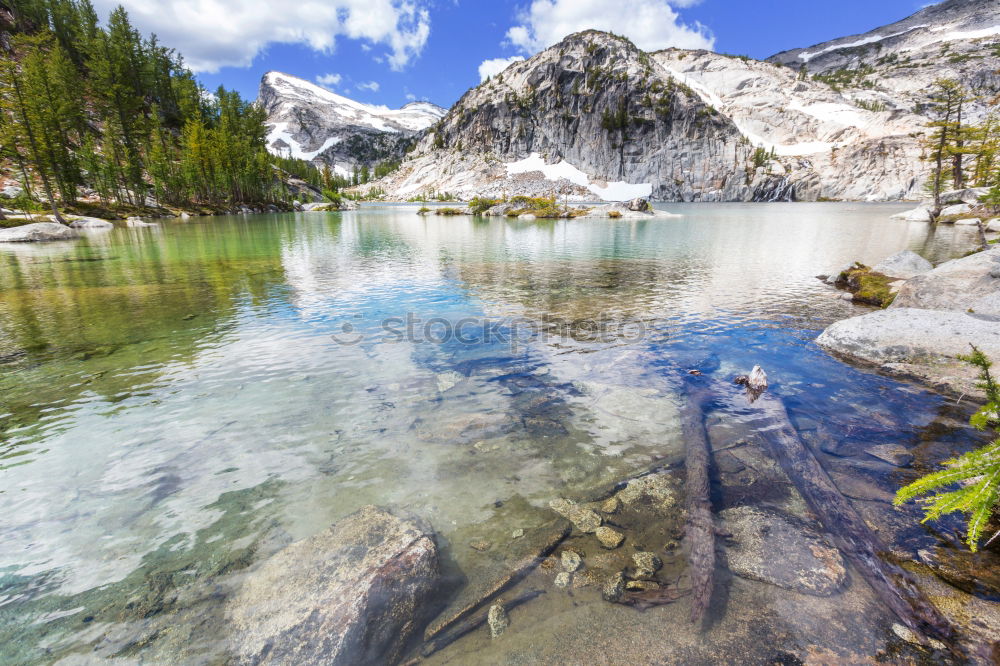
(394, 51)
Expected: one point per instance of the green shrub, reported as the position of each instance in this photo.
(449, 211)
(424, 210)
(760, 157)
(333, 197)
(876, 107)
(542, 207)
(480, 205)
(23, 202)
(615, 214)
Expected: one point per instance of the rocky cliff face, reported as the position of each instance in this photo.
(956, 39)
(592, 116)
(827, 143)
(314, 124)
(596, 117)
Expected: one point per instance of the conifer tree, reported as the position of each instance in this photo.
(974, 478)
(947, 100)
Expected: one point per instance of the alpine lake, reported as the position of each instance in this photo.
(178, 403)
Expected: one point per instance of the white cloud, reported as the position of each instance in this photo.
(651, 24)
(491, 68)
(371, 86)
(219, 33)
(330, 80)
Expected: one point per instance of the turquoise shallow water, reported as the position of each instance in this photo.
(172, 398)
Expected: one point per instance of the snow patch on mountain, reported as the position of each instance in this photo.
(806, 56)
(412, 117)
(563, 170)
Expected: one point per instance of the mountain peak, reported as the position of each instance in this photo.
(953, 24)
(309, 122)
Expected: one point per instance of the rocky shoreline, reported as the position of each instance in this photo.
(932, 316)
(368, 589)
(44, 228)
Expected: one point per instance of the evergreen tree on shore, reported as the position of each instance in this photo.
(106, 108)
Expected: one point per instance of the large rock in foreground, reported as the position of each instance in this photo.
(37, 233)
(349, 595)
(923, 344)
(971, 283)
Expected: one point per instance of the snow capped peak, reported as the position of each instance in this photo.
(291, 90)
(309, 122)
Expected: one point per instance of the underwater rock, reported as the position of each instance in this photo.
(642, 585)
(571, 560)
(854, 485)
(610, 505)
(657, 491)
(894, 454)
(498, 620)
(975, 573)
(350, 594)
(486, 583)
(614, 588)
(583, 519)
(467, 428)
(807, 563)
(563, 579)
(646, 564)
(448, 380)
(609, 538)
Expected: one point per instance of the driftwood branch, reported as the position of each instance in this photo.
(643, 601)
(473, 622)
(892, 584)
(699, 530)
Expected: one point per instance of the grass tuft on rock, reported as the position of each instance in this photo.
(867, 286)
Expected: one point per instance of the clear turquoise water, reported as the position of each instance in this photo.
(171, 399)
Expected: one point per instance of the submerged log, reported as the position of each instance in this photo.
(699, 530)
(850, 533)
(551, 535)
(472, 622)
